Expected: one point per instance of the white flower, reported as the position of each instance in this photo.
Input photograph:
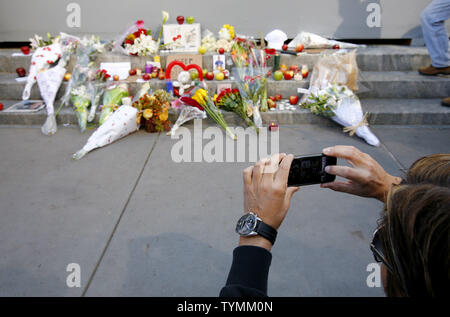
(165, 16)
(224, 33)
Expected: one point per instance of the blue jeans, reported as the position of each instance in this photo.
(434, 32)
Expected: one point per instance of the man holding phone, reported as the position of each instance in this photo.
(267, 198)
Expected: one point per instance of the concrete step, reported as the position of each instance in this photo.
(370, 58)
(373, 85)
(381, 112)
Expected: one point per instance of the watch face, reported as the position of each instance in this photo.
(246, 224)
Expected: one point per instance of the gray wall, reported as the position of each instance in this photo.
(21, 19)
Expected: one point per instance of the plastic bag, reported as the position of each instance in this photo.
(311, 40)
(120, 124)
(187, 113)
(340, 68)
(96, 90)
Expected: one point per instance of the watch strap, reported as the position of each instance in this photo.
(266, 231)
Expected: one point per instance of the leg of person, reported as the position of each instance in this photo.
(436, 37)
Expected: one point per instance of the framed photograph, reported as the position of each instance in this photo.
(219, 62)
(188, 35)
(26, 106)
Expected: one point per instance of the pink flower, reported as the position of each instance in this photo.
(140, 24)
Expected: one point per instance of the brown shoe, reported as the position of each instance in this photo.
(446, 102)
(433, 71)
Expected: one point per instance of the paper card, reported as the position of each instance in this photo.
(189, 36)
(120, 69)
(186, 59)
(21, 79)
(219, 62)
(221, 87)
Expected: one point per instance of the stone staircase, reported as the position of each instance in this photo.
(394, 93)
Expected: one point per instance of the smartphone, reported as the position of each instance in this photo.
(310, 170)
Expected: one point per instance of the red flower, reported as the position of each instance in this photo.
(129, 42)
(191, 102)
(271, 51)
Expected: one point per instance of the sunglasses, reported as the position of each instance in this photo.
(376, 246)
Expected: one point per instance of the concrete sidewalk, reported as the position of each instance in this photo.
(139, 224)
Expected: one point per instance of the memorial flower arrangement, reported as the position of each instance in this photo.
(96, 89)
(81, 101)
(231, 100)
(153, 111)
(112, 99)
(204, 101)
(138, 40)
(38, 41)
(225, 39)
(250, 76)
(340, 104)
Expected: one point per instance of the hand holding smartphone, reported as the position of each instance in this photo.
(310, 170)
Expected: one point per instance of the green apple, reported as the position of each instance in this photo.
(194, 74)
(278, 75)
(204, 72)
(190, 20)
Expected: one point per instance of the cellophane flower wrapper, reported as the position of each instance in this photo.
(49, 81)
(119, 125)
(96, 90)
(81, 101)
(187, 113)
(311, 40)
(346, 110)
(86, 53)
(112, 98)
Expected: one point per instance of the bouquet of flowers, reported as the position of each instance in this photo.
(112, 99)
(120, 124)
(38, 41)
(204, 102)
(77, 89)
(138, 41)
(153, 111)
(250, 75)
(340, 104)
(190, 110)
(96, 88)
(231, 100)
(50, 80)
(225, 41)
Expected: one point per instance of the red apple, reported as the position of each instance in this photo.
(336, 47)
(272, 98)
(278, 97)
(21, 72)
(271, 103)
(209, 75)
(1, 106)
(285, 47)
(221, 50)
(161, 76)
(146, 77)
(293, 100)
(288, 75)
(180, 19)
(294, 68)
(300, 47)
(132, 72)
(25, 50)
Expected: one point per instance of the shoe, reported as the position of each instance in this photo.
(446, 102)
(433, 71)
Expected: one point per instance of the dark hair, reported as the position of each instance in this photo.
(415, 234)
(431, 169)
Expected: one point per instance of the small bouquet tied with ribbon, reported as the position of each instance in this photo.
(340, 104)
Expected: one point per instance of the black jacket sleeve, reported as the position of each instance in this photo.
(249, 273)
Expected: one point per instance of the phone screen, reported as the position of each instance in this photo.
(310, 169)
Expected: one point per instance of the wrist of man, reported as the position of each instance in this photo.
(390, 180)
(257, 241)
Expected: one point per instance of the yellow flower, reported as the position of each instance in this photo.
(230, 30)
(215, 97)
(164, 115)
(200, 96)
(148, 113)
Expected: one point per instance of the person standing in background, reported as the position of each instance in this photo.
(436, 39)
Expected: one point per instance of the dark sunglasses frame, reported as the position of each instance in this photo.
(376, 246)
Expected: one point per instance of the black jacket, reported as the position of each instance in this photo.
(249, 272)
